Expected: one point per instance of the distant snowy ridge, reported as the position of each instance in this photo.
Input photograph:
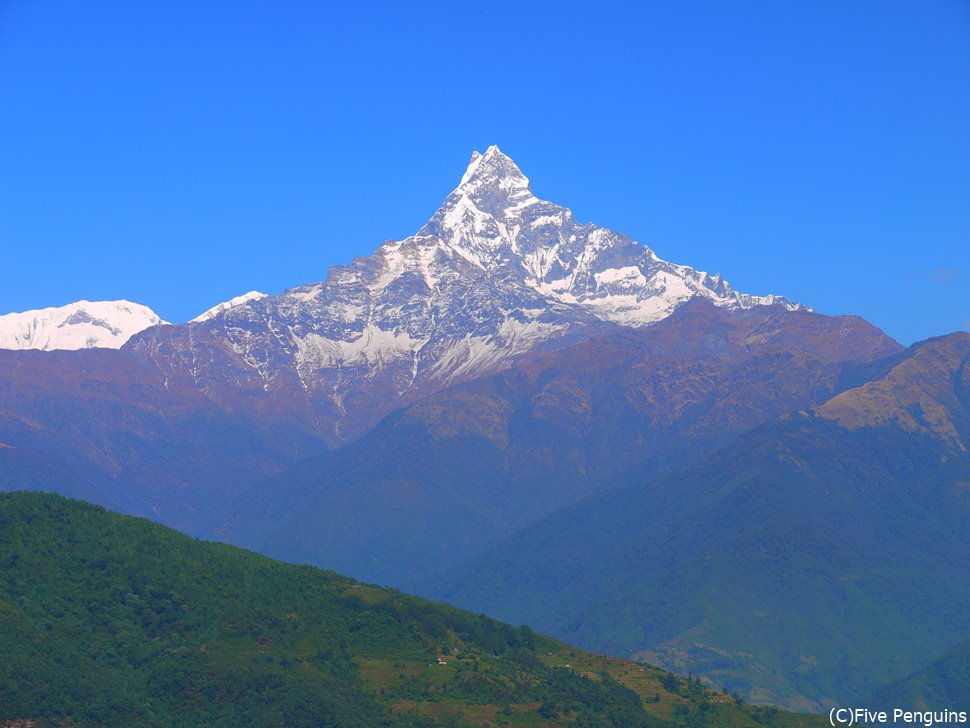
(225, 305)
(78, 325)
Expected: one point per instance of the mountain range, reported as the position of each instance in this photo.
(496, 274)
(540, 419)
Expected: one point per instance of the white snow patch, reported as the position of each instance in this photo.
(305, 294)
(374, 347)
(546, 220)
(521, 336)
(627, 276)
(467, 357)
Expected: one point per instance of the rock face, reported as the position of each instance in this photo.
(494, 274)
(78, 325)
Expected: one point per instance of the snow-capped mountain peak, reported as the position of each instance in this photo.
(494, 274)
(78, 325)
(479, 219)
(495, 184)
(493, 220)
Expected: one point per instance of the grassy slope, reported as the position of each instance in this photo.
(111, 620)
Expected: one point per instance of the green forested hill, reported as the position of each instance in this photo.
(112, 620)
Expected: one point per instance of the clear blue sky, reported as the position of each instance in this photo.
(179, 153)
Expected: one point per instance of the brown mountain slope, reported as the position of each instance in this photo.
(108, 426)
(923, 394)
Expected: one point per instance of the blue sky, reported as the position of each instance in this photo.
(177, 154)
